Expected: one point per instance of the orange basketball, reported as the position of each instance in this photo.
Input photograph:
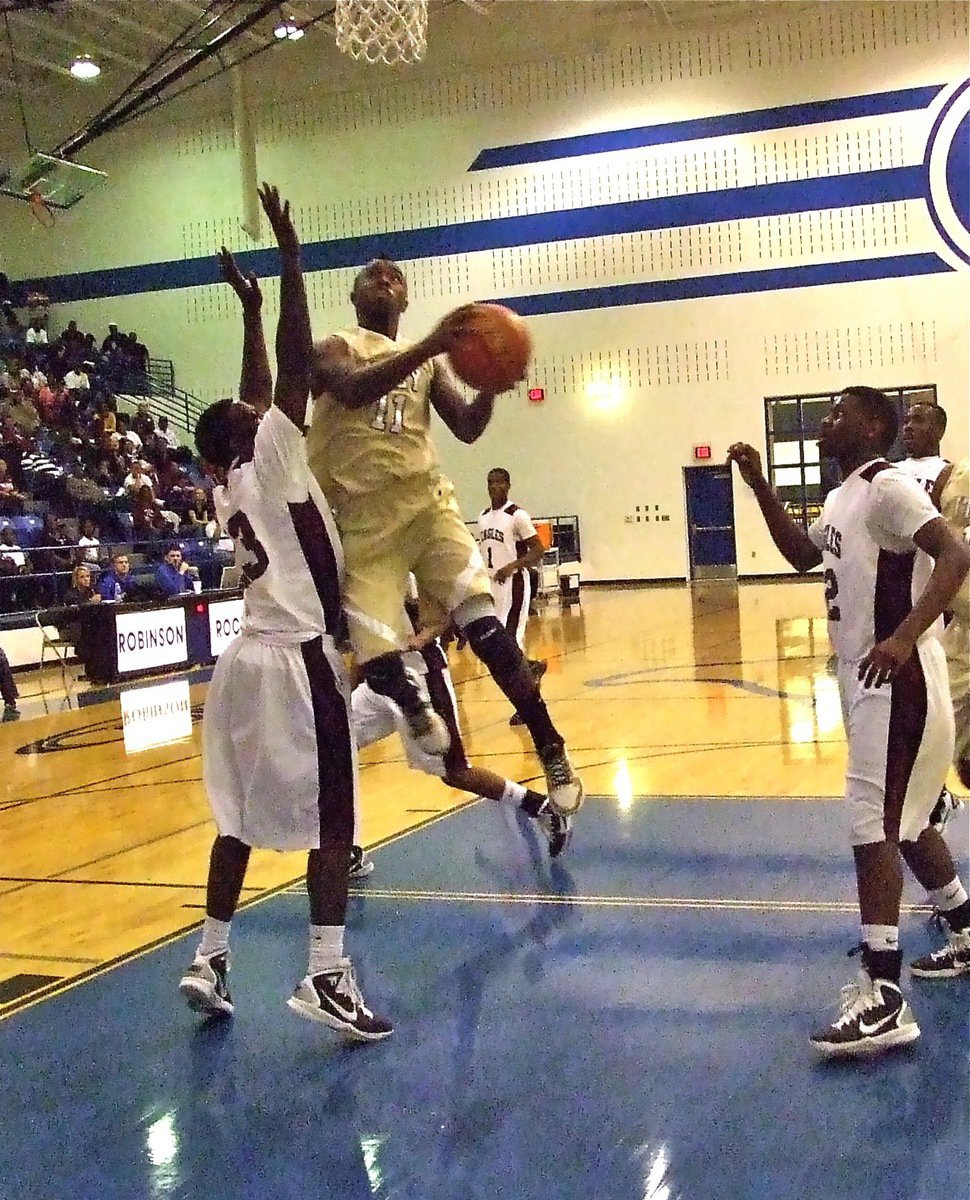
(493, 353)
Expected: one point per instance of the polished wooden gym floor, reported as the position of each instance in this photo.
(672, 691)
(629, 1021)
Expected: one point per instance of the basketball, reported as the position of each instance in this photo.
(493, 352)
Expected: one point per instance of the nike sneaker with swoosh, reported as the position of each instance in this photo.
(334, 999)
(204, 984)
(952, 960)
(874, 1016)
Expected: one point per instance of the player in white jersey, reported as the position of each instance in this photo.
(921, 434)
(375, 717)
(952, 496)
(371, 451)
(898, 721)
(511, 549)
(279, 763)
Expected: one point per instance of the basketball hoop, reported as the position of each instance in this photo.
(386, 31)
(40, 210)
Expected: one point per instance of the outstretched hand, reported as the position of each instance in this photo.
(451, 328)
(246, 287)
(748, 462)
(278, 213)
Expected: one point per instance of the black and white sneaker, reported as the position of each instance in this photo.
(563, 786)
(428, 730)
(361, 863)
(334, 999)
(204, 984)
(946, 806)
(873, 1017)
(538, 667)
(952, 960)
(556, 827)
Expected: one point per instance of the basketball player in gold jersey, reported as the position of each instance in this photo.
(371, 451)
(951, 494)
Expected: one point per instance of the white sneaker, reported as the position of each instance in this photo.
(334, 999)
(952, 960)
(873, 1016)
(204, 984)
(563, 786)
(361, 863)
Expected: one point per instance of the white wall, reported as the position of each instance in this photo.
(395, 156)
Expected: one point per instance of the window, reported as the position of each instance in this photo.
(791, 428)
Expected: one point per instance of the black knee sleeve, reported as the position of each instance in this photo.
(494, 645)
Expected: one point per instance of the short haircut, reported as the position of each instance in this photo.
(879, 406)
(212, 434)
(937, 411)
(378, 258)
(502, 471)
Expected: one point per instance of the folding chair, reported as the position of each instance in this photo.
(52, 642)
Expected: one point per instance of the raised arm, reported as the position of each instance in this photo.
(793, 542)
(256, 380)
(294, 343)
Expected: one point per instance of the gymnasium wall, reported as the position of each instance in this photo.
(693, 222)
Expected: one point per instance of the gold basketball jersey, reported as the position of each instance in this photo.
(356, 452)
(955, 506)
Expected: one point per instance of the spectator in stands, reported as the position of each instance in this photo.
(11, 500)
(36, 334)
(164, 434)
(72, 337)
(43, 476)
(22, 411)
(137, 354)
(81, 590)
(77, 379)
(124, 432)
(114, 342)
(50, 402)
(89, 542)
(143, 423)
(53, 552)
(174, 575)
(200, 512)
(13, 565)
(116, 584)
(8, 689)
(147, 520)
(13, 332)
(138, 478)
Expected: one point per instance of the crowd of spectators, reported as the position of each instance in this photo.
(86, 481)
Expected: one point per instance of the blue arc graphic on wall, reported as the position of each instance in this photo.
(941, 180)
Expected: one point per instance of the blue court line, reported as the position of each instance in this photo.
(604, 220)
(786, 116)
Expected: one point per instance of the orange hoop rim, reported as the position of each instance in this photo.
(40, 210)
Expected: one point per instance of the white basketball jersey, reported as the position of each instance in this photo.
(502, 533)
(925, 471)
(873, 569)
(285, 538)
(955, 504)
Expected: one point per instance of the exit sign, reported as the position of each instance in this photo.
(702, 452)
(537, 395)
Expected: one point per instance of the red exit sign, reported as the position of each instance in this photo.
(537, 395)
(702, 452)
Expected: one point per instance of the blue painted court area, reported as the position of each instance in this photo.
(630, 1026)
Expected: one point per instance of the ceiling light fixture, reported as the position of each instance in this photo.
(288, 28)
(84, 67)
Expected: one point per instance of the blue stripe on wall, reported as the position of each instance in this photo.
(785, 117)
(737, 283)
(636, 216)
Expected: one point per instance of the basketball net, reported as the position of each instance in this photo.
(40, 210)
(385, 31)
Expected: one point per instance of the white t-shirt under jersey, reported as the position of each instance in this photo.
(501, 534)
(284, 537)
(925, 471)
(874, 571)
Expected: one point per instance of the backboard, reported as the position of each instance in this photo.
(61, 183)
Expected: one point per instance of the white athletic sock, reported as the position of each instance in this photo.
(881, 937)
(949, 897)
(513, 793)
(326, 947)
(215, 937)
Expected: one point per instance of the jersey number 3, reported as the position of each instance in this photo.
(831, 592)
(240, 528)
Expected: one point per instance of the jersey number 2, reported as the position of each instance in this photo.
(831, 592)
(239, 527)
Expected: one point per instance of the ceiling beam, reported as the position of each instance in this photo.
(48, 29)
